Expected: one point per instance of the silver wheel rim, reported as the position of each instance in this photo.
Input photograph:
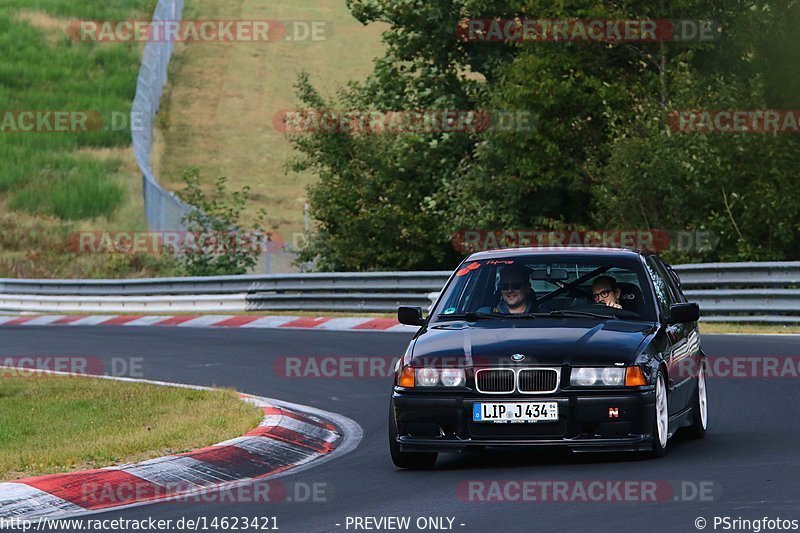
(701, 396)
(662, 414)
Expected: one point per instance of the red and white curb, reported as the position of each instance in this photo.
(213, 321)
(289, 439)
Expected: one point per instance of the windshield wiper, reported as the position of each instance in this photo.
(468, 316)
(473, 316)
(566, 313)
(480, 316)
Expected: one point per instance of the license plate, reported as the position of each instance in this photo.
(506, 412)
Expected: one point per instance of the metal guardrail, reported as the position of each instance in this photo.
(726, 292)
(739, 275)
(347, 292)
(744, 292)
(406, 282)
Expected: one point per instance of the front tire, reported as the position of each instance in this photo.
(700, 407)
(408, 460)
(661, 418)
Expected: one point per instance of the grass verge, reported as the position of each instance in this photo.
(51, 424)
(752, 329)
(46, 69)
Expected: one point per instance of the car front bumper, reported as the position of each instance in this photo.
(588, 421)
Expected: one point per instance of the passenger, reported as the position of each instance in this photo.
(606, 291)
(516, 295)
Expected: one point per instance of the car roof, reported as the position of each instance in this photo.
(565, 250)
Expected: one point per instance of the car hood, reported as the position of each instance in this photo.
(543, 341)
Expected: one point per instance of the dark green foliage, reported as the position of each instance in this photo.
(602, 155)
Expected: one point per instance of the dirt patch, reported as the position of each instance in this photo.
(53, 28)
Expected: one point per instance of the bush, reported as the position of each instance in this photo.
(224, 244)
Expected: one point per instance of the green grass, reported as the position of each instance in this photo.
(756, 329)
(54, 184)
(43, 69)
(52, 424)
(75, 195)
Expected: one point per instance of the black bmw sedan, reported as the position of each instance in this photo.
(592, 349)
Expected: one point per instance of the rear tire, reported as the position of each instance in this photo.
(408, 460)
(661, 418)
(700, 407)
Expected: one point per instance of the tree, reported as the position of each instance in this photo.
(737, 186)
(601, 154)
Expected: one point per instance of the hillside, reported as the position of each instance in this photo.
(223, 97)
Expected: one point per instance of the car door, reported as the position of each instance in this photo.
(691, 365)
(679, 355)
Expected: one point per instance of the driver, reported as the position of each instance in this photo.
(606, 291)
(516, 295)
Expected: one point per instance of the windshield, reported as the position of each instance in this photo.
(532, 286)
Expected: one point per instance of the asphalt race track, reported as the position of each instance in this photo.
(749, 463)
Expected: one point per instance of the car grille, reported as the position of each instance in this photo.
(495, 380)
(542, 430)
(537, 380)
(508, 380)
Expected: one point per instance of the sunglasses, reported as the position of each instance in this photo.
(601, 294)
(511, 286)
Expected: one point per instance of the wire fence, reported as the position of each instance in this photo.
(163, 210)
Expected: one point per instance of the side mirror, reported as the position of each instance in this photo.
(410, 316)
(683, 313)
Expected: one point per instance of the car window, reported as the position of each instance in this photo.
(661, 284)
(549, 284)
(673, 279)
(463, 292)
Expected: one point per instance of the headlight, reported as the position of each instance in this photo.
(427, 377)
(433, 377)
(453, 377)
(587, 377)
(613, 377)
(584, 377)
